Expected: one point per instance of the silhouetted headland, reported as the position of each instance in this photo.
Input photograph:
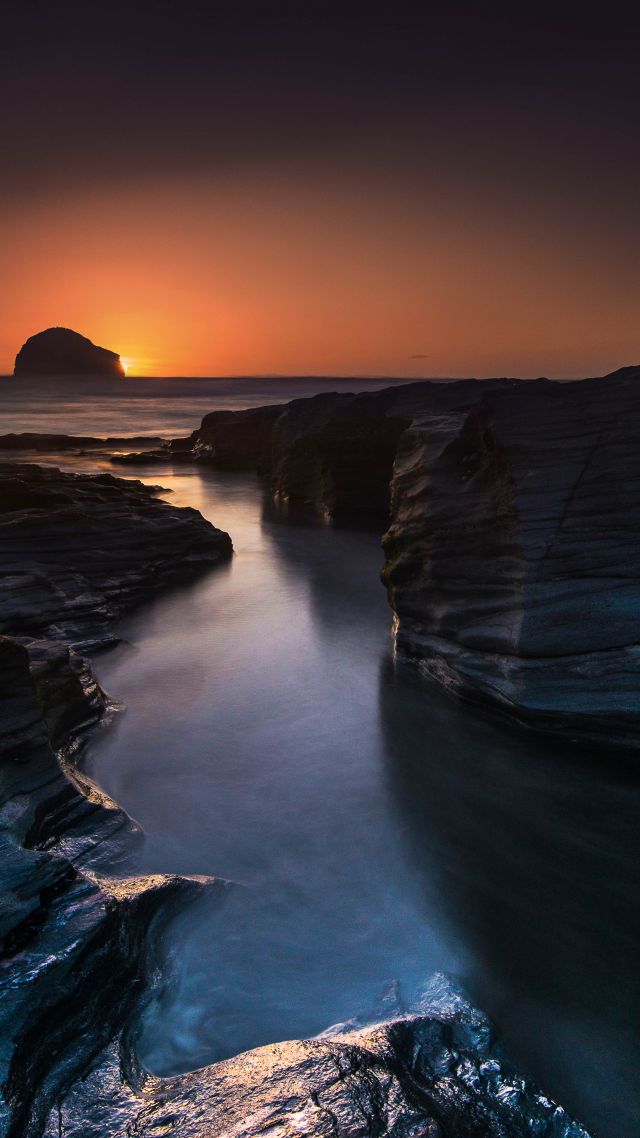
(61, 351)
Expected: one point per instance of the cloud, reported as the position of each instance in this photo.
(419, 356)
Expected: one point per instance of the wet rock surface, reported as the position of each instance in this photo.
(76, 942)
(61, 351)
(513, 559)
(78, 550)
(436, 1073)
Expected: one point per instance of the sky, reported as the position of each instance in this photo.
(348, 188)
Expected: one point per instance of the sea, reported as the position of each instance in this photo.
(170, 408)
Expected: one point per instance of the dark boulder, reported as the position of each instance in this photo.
(330, 456)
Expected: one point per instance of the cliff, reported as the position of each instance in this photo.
(513, 557)
(60, 351)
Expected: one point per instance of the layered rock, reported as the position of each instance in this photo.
(433, 1074)
(79, 550)
(63, 352)
(330, 456)
(75, 949)
(513, 557)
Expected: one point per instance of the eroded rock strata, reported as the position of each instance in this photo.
(512, 556)
(512, 533)
(78, 550)
(75, 950)
(330, 456)
(436, 1073)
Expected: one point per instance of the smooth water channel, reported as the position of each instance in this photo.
(375, 830)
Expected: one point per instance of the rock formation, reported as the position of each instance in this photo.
(330, 456)
(63, 352)
(74, 946)
(433, 1074)
(512, 557)
(80, 550)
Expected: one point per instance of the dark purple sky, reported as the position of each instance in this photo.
(521, 120)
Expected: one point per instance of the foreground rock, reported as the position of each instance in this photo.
(433, 1074)
(61, 351)
(79, 550)
(76, 942)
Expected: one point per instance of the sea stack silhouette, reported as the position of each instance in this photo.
(61, 351)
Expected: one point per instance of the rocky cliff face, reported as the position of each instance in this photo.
(76, 942)
(61, 351)
(330, 456)
(513, 558)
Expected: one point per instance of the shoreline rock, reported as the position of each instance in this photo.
(512, 557)
(80, 549)
(430, 1074)
(76, 942)
(465, 522)
(511, 508)
(35, 442)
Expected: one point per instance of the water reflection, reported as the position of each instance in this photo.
(532, 852)
(251, 749)
(376, 831)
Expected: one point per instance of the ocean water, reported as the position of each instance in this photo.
(373, 830)
(166, 407)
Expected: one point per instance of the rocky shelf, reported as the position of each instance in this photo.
(75, 947)
(39, 443)
(433, 1073)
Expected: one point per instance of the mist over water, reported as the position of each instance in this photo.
(166, 407)
(373, 829)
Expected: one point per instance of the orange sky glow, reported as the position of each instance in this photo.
(300, 273)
